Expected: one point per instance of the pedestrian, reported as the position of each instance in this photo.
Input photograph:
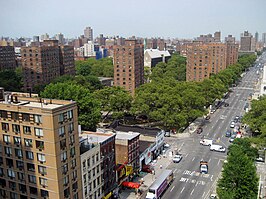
(161, 166)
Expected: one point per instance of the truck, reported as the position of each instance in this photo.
(160, 185)
(203, 167)
(206, 142)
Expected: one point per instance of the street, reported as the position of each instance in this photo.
(189, 182)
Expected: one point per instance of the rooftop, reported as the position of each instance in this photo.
(126, 135)
(155, 53)
(98, 137)
(143, 145)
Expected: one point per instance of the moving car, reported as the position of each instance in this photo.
(206, 142)
(199, 130)
(203, 167)
(216, 147)
(228, 133)
(177, 158)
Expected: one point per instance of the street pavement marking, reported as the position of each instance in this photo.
(184, 179)
(203, 194)
(210, 160)
(192, 192)
(172, 189)
(186, 155)
(211, 177)
(182, 190)
(175, 170)
(218, 162)
(193, 158)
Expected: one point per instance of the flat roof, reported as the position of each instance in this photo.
(98, 137)
(143, 145)
(126, 135)
(34, 104)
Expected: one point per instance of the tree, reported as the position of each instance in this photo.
(239, 178)
(11, 80)
(115, 100)
(88, 106)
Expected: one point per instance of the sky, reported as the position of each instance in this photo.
(142, 18)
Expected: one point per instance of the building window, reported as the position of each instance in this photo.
(33, 191)
(5, 126)
(61, 117)
(65, 168)
(88, 162)
(21, 176)
(66, 180)
(74, 175)
(11, 173)
(63, 156)
(43, 182)
(6, 139)
(25, 117)
(18, 153)
(8, 151)
(19, 164)
(9, 162)
(75, 186)
(28, 142)
(17, 140)
(44, 193)
(73, 163)
(63, 144)
(72, 152)
(29, 155)
(15, 128)
(67, 192)
(38, 119)
(61, 131)
(70, 127)
(32, 179)
(30, 167)
(14, 116)
(70, 114)
(72, 139)
(39, 145)
(3, 114)
(26, 130)
(42, 170)
(38, 132)
(41, 157)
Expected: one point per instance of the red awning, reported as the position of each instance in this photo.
(134, 185)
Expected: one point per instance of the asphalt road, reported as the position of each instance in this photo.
(189, 183)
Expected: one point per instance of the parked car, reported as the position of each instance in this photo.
(177, 158)
(199, 130)
(226, 104)
(260, 159)
(228, 133)
(207, 117)
(213, 196)
(232, 125)
(166, 145)
(232, 138)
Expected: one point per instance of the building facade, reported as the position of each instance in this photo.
(7, 58)
(129, 65)
(45, 62)
(246, 42)
(231, 50)
(154, 56)
(88, 33)
(204, 59)
(89, 49)
(39, 148)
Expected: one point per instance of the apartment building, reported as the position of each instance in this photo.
(231, 50)
(91, 170)
(7, 58)
(39, 148)
(247, 42)
(44, 62)
(129, 65)
(204, 59)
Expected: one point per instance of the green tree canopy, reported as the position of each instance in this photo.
(11, 80)
(88, 106)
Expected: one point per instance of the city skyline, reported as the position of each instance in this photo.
(174, 19)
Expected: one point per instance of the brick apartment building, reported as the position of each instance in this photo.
(44, 62)
(7, 58)
(129, 65)
(39, 148)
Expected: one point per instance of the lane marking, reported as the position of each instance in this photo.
(203, 194)
(186, 155)
(192, 192)
(182, 190)
(175, 170)
(193, 158)
(172, 188)
(210, 160)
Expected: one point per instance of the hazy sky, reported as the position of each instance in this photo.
(145, 18)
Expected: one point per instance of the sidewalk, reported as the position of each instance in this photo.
(148, 178)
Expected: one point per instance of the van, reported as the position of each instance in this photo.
(206, 142)
(216, 147)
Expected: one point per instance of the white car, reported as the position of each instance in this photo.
(216, 147)
(177, 158)
(206, 142)
(232, 125)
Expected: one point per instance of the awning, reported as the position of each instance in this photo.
(134, 185)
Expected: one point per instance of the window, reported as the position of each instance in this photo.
(32, 179)
(75, 186)
(30, 167)
(70, 127)
(63, 144)
(1, 172)
(18, 153)
(38, 132)
(11, 173)
(88, 162)
(44, 193)
(5, 126)
(26, 117)
(19, 164)
(8, 151)
(15, 128)
(28, 142)
(3, 114)
(22, 188)
(29, 155)
(39, 144)
(72, 152)
(66, 192)
(9, 162)
(74, 175)
(14, 116)
(73, 163)
(70, 114)
(43, 181)
(26, 130)
(72, 139)
(63, 156)
(17, 140)
(21, 176)
(6, 139)
(33, 191)
(61, 131)
(41, 157)
(38, 119)
(65, 168)
(61, 117)
(42, 170)
(66, 180)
